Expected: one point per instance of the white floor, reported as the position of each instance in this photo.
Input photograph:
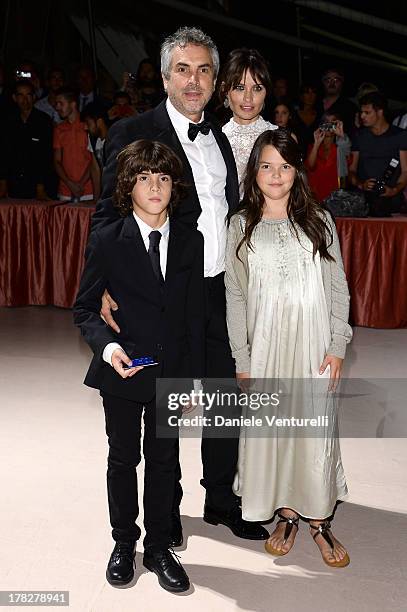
(55, 534)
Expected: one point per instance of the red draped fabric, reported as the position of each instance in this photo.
(374, 253)
(25, 252)
(42, 246)
(69, 237)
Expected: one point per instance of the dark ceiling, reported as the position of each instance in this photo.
(36, 29)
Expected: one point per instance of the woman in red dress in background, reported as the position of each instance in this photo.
(327, 158)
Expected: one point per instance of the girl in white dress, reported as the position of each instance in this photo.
(287, 314)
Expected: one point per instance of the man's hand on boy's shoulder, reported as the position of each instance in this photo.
(108, 304)
(120, 359)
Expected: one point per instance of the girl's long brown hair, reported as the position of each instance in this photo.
(303, 209)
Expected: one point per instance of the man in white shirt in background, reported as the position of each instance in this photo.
(97, 123)
(55, 80)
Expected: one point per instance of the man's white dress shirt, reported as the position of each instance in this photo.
(209, 172)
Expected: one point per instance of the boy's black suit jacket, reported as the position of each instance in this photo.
(156, 125)
(164, 321)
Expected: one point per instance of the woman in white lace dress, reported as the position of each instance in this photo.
(287, 314)
(244, 84)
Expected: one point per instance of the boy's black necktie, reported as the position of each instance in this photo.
(154, 254)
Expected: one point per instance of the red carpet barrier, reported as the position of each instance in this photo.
(374, 252)
(26, 252)
(69, 237)
(42, 246)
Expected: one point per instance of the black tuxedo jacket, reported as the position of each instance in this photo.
(156, 125)
(167, 322)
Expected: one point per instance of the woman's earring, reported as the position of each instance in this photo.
(226, 103)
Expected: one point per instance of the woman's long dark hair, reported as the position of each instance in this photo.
(302, 209)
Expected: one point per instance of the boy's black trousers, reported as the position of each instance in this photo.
(123, 428)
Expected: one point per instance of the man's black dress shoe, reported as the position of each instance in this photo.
(177, 537)
(233, 519)
(171, 575)
(120, 569)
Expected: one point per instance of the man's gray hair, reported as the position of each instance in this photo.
(182, 37)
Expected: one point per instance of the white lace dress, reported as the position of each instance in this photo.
(242, 139)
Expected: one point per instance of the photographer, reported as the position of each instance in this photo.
(377, 148)
(121, 106)
(326, 162)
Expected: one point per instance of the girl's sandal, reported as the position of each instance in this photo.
(324, 530)
(291, 522)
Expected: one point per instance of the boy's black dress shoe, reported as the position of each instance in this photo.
(120, 569)
(233, 519)
(171, 575)
(177, 537)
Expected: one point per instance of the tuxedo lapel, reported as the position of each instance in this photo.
(232, 185)
(175, 247)
(166, 133)
(221, 143)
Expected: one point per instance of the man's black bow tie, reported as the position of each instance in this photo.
(194, 128)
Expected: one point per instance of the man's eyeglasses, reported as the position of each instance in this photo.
(332, 80)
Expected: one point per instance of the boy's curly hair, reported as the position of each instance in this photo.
(146, 156)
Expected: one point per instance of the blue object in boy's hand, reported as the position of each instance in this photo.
(141, 361)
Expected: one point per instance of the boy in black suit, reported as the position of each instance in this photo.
(153, 267)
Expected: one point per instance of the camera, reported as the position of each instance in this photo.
(379, 186)
(21, 74)
(387, 175)
(132, 80)
(328, 126)
(378, 205)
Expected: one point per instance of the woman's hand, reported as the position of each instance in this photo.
(319, 136)
(335, 364)
(108, 304)
(243, 381)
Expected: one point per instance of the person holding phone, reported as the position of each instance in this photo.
(153, 266)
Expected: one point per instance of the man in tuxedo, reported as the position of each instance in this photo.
(189, 66)
(154, 269)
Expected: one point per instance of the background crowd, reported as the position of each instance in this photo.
(53, 131)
